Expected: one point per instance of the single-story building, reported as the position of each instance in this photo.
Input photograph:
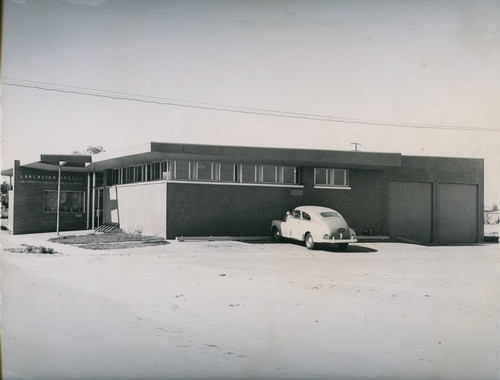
(491, 217)
(173, 190)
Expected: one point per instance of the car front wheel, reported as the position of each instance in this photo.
(309, 241)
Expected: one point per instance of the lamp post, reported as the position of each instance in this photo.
(59, 194)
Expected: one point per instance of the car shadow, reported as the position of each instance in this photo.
(352, 248)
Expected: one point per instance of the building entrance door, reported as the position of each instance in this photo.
(98, 211)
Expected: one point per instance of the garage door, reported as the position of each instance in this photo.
(410, 211)
(456, 213)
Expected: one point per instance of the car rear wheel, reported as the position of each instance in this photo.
(309, 241)
(343, 246)
(276, 234)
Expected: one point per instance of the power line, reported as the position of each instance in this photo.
(45, 86)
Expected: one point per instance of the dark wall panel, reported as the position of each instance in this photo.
(362, 205)
(226, 210)
(203, 209)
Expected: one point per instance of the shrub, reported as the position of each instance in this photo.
(41, 249)
(45, 250)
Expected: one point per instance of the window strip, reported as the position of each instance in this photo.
(191, 170)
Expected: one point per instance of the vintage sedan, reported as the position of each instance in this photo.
(314, 225)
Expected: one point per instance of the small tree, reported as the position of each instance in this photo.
(4, 190)
(91, 149)
(494, 207)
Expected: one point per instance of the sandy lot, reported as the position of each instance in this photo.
(233, 309)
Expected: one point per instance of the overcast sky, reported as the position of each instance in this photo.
(431, 63)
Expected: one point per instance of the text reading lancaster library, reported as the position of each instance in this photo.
(173, 190)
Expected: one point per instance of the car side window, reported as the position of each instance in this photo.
(295, 214)
(306, 216)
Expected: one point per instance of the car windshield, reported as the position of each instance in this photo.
(329, 214)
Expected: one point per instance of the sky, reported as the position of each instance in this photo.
(376, 69)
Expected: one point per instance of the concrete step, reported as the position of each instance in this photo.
(107, 227)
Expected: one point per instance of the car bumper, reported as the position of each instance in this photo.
(337, 241)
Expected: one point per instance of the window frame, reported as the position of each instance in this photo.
(235, 172)
(189, 170)
(83, 208)
(330, 175)
(195, 175)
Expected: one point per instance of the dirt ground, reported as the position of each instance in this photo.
(243, 310)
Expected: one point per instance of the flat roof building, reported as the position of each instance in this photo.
(174, 190)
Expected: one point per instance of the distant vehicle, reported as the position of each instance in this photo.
(314, 225)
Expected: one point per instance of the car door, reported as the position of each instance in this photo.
(285, 226)
(293, 223)
(305, 224)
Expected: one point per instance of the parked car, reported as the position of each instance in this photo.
(314, 225)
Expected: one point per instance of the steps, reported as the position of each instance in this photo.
(107, 227)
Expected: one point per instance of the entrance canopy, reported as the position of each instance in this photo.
(51, 162)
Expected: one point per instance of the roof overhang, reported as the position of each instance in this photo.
(67, 160)
(52, 162)
(55, 168)
(155, 151)
(8, 172)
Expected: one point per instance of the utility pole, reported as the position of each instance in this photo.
(356, 144)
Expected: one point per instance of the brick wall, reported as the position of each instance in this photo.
(29, 215)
